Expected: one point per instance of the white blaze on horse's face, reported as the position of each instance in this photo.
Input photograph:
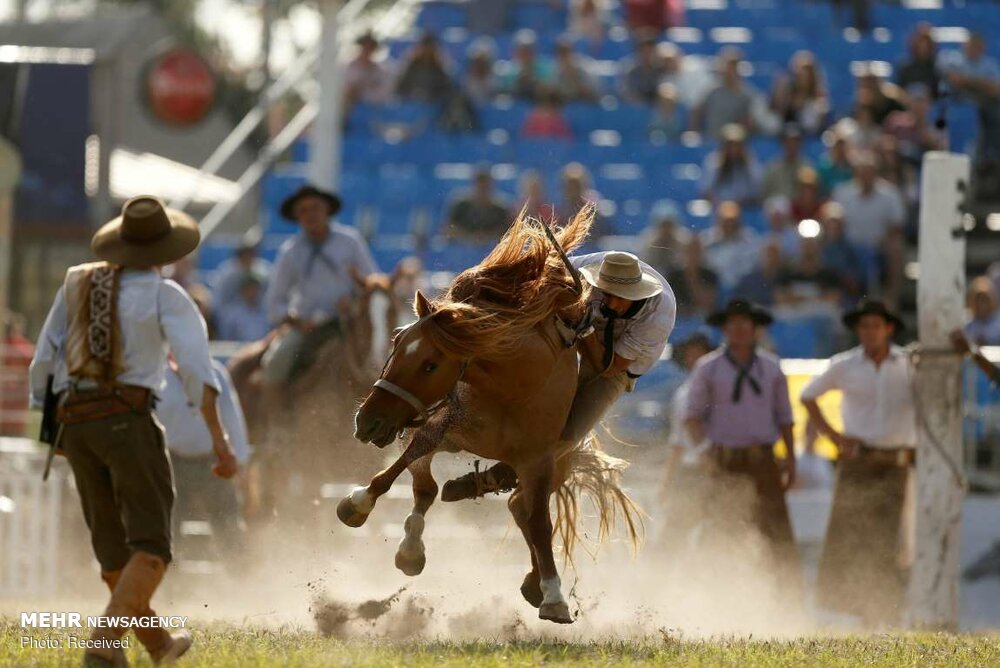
(412, 346)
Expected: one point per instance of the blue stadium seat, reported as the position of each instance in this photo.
(437, 15)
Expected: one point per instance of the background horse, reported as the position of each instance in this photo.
(483, 370)
(290, 432)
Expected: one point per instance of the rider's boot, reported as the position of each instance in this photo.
(498, 478)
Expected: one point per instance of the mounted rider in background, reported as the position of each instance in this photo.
(313, 279)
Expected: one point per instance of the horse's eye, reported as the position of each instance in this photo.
(430, 367)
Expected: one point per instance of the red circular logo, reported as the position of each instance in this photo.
(180, 87)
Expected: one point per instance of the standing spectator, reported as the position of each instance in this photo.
(480, 84)
(695, 285)
(666, 121)
(478, 216)
(983, 328)
(199, 494)
(808, 282)
(835, 165)
(920, 66)
(782, 227)
(730, 101)
(760, 285)
(839, 253)
(860, 571)
(731, 250)
(577, 194)
(546, 120)
(800, 97)
(665, 237)
(897, 171)
(527, 73)
(641, 74)
(15, 387)
(861, 130)
(874, 215)
(780, 175)
(975, 77)
(731, 173)
(424, 76)
(229, 276)
(245, 319)
(737, 409)
(365, 79)
(881, 97)
(913, 129)
(531, 190)
(808, 198)
(572, 80)
(588, 19)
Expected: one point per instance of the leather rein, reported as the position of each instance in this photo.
(424, 411)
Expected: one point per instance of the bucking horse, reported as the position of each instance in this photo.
(485, 370)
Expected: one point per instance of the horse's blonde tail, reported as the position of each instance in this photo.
(583, 469)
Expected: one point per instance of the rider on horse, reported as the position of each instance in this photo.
(313, 276)
(632, 310)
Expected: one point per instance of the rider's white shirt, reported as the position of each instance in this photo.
(643, 337)
(309, 281)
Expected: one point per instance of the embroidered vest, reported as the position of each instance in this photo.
(93, 339)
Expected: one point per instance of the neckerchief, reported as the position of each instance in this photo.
(609, 327)
(743, 373)
(316, 253)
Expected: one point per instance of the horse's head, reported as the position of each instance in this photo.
(417, 376)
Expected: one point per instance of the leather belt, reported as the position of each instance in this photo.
(890, 456)
(76, 406)
(753, 453)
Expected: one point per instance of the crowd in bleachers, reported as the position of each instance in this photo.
(786, 169)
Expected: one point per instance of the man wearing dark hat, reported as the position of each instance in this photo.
(312, 280)
(104, 347)
(737, 408)
(860, 568)
(632, 309)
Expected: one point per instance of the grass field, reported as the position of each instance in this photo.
(221, 646)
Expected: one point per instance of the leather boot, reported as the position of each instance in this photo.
(134, 586)
(498, 478)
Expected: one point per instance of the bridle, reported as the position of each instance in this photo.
(424, 412)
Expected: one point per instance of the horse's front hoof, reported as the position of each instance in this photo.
(531, 589)
(348, 513)
(411, 565)
(555, 612)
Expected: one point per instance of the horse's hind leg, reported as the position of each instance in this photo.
(536, 487)
(410, 556)
(354, 509)
(531, 587)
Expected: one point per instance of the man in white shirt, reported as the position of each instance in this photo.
(199, 495)
(313, 278)
(860, 570)
(632, 310)
(103, 349)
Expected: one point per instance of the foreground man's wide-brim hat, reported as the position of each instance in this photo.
(288, 205)
(621, 275)
(757, 314)
(871, 307)
(147, 234)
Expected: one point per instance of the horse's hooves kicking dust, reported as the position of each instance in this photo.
(555, 612)
(354, 509)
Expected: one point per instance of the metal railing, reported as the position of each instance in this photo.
(293, 76)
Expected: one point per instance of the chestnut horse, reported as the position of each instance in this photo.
(484, 370)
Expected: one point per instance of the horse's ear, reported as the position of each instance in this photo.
(421, 305)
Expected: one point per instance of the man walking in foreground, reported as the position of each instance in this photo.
(104, 345)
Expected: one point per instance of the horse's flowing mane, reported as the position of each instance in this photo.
(490, 308)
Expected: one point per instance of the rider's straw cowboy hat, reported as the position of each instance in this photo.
(147, 234)
(620, 274)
